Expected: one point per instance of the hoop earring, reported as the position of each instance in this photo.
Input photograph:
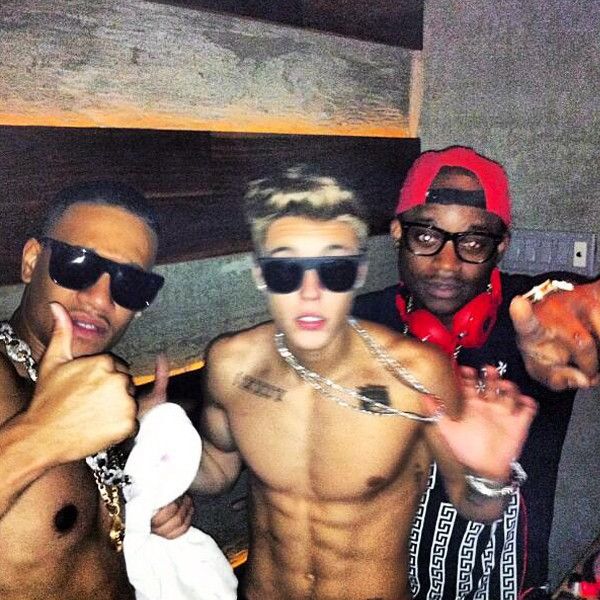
(137, 314)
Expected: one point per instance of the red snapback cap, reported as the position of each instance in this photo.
(491, 176)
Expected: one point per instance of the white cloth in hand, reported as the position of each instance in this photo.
(162, 465)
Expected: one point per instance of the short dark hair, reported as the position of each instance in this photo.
(447, 171)
(104, 193)
(301, 191)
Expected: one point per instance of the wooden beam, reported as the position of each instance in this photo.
(195, 180)
(136, 64)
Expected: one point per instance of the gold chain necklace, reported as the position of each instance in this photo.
(335, 391)
(107, 465)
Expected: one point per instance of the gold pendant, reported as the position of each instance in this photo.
(112, 500)
(117, 532)
(117, 529)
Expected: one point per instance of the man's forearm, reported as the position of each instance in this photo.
(471, 504)
(218, 471)
(23, 458)
(478, 507)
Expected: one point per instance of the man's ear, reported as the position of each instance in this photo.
(396, 230)
(503, 247)
(32, 250)
(259, 281)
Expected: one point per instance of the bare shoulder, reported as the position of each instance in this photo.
(248, 351)
(426, 362)
(243, 348)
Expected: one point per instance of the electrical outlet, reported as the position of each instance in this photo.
(580, 254)
(532, 251)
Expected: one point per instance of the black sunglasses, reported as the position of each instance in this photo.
(284, 275)
(77, 268)
(474, 247)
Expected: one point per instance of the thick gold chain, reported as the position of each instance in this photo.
(111, 497)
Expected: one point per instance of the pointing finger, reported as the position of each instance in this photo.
(158, 394)
(161, 377)
(524, 320)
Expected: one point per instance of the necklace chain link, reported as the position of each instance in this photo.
(18, 350)
(106, 465)
(334, 391)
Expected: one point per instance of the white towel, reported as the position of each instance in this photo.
(162, 465)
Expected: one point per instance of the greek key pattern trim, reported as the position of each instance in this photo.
(416, 533)
(467, 555)
(439, 549)
(487, 566)
(508, 558)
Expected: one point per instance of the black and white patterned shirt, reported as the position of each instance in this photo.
(452, 558)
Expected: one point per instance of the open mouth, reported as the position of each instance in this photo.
(310, 322)
(86, 327)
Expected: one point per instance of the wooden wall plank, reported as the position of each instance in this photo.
(172, 168)
(287, 13)
(374, 167)
(195, 180)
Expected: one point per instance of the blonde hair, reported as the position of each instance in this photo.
(300, 192)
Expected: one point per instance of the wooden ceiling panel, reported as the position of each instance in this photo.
(195, 180)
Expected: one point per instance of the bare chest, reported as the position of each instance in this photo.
(54, 542)
(302, 441)
(56, 511)
(52, 516)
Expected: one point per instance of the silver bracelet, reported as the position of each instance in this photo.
(539, 292)
(495, 489)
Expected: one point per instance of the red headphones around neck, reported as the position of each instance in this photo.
(471, 325)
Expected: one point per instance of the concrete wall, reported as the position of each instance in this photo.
(519, 81)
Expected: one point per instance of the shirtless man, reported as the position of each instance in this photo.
(54, 528)
(300, 401)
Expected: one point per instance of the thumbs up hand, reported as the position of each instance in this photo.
(82, 405)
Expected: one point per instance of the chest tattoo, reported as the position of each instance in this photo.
(258, 387)
(379, 393)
